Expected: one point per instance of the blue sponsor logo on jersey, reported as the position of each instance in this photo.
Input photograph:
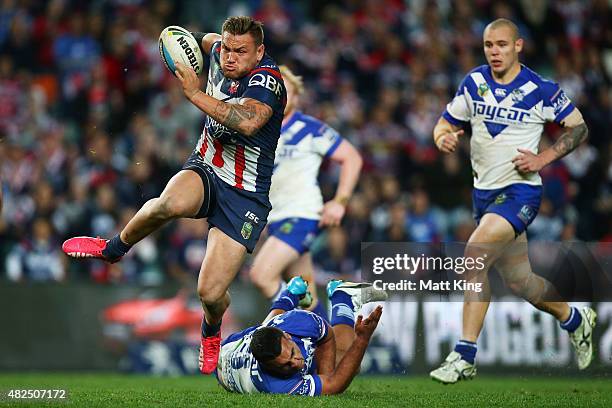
(303, 388)
(239, 361)
(502, 114)
(286, 152)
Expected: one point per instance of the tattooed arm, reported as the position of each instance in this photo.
(577, 132)
(246, 117)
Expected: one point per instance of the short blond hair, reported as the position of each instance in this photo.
(296, 80)
(504, 22)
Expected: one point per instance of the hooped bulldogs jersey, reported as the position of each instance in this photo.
(238, 371)
(505, 117)
(244, 162)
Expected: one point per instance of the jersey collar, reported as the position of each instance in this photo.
(513, 84)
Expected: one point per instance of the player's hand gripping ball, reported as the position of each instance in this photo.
(176, 44)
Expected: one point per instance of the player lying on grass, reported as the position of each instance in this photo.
(296, 351)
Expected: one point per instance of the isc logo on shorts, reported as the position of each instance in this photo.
(251, 216)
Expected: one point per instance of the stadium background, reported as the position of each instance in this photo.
(92, 126)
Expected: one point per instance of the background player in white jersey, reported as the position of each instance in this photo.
(298, 212)
(507, 105)
(227, 177)
(296, 351)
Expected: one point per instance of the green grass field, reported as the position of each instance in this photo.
(113, 390)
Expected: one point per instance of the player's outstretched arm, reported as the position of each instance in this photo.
(350, 166)
(577, 132)
(341, 378)
(246, 117)
(446, 135)
(325, 354)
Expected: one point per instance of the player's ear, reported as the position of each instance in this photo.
(518, 45)
(260, 52)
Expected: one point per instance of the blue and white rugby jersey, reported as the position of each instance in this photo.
(240, 161)
(303, 144)
(238, 371)
(504, 118)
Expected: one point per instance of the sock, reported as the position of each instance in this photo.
(573, 321)
(342, 309)
(467, 349)
(285, 301)
(281, 287)
(115, 248)
(319, 309)
(209, 330)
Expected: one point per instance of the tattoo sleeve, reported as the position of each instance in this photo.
(246, 118)
(569, 140)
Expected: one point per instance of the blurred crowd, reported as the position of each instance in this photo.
(92, 125)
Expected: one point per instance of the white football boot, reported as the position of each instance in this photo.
(360, 293)
(582, 337)
(453, 369)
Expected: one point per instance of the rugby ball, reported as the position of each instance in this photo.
(176, 44)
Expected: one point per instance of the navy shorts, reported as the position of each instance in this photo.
(242, 215)
(299, 233)
(517, 203)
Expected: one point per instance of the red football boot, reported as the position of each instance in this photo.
(209, 353)
(87, 247)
